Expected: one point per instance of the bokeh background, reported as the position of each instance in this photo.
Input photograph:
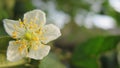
(90, 33)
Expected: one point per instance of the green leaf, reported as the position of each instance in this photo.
(4, 42)
(88, 62)
(2, 31)
(51, 61)
(86, 54)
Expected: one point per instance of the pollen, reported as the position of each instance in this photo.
(32, 25)
(14, 34)
(20, 23)
(17, 42)
(21, 48)
(35, 38)
(39, 31)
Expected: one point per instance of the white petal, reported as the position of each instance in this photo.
(51, 32)
(13, 53)
(37, 16)
(9, 26)
(39, 53)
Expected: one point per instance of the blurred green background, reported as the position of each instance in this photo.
(90, 33)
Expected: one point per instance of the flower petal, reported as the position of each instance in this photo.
(39, 53)
(51, 32)
(36, 16)
(9, 26)
(13, 53)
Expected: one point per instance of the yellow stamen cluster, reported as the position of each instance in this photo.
(31, 38)
(23, 45)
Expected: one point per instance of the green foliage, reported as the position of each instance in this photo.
(87, 63)
(3, 14)
(4, 42)
(2, 32)
(51, 61)
(21, 7)
(6, 8)
(86, 55)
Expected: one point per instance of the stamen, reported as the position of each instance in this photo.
(14, 34)
(32, 25)
(35, 38)
(21, 48)
(40, 32)
(17, 42)
(21, 23)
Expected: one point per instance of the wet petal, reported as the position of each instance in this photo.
(9, 26)
(39, 53)
(13, 53)
(51, 32)
(36, 16)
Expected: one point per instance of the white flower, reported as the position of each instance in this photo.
(30, 36)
